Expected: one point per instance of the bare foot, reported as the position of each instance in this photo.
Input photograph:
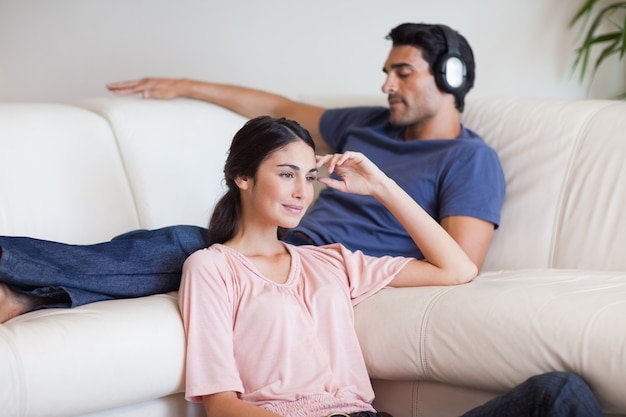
(13, 303)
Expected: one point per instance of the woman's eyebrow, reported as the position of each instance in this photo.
(296, 167)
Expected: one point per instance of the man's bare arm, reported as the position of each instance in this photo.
(246, 101)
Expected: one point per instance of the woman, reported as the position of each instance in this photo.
(269, 325)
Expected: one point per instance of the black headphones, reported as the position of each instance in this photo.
(450, 70)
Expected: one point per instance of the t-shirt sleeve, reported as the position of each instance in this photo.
(474, 186)
(369, 274)
(335, 123)
(206, 304)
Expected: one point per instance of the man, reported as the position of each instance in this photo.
(422, 123)
(418, 141)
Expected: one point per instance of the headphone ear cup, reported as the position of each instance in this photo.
(451, 74)
(455, 72)
(450, 71)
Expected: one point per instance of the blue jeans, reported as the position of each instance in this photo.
(135, 264)
(554, 394)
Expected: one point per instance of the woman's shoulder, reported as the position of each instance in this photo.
(212, 254)
(332, 251)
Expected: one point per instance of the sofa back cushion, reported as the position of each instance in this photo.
(562, 162)
(566, 181)
(61, 176)
(173, 153)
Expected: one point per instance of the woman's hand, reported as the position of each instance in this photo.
(358, 175)
(445, 262)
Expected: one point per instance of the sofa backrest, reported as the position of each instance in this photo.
(173, 154)
(61, 177)
(562, 161)
(566, 181)
(86, 173)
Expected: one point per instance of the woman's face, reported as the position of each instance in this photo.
(283, 188)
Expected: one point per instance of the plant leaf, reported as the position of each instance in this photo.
(607, 51)
(591, 39)
(591, 17)
(584, 10)
(623, 47)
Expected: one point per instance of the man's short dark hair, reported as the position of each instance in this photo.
(431, 40)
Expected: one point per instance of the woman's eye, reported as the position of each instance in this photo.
(287, 175)
(311, 178)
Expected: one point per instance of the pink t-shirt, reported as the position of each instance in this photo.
(290, 348)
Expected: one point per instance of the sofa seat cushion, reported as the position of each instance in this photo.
(67, 362)
(500, 329)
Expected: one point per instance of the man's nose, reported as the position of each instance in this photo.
(389, 86)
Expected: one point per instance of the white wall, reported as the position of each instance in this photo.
(65, 50)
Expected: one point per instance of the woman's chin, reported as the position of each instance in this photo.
(290, 224)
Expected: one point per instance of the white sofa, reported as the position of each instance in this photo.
(552, 294)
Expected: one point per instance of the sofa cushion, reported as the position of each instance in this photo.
(563, 163)
(500, 329)
(173, 152)
(61, 176)
(68, 362)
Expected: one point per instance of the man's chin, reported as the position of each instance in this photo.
(396, 117)
(397, 121)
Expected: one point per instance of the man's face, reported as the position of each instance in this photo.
(411, 89)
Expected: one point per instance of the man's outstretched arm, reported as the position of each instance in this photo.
(246, 101)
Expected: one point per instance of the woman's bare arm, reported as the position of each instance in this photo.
(227, 404)
(445, 261)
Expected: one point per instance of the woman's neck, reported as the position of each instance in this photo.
(253, 243)
(269, 256)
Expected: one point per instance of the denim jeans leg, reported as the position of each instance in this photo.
(135, 264)
(554, 394)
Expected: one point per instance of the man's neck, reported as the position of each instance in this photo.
(442, 126)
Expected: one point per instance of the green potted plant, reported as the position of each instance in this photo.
(603, 26)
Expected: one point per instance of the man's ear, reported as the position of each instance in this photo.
(242, 182)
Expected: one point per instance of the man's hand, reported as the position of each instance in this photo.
(160, 88)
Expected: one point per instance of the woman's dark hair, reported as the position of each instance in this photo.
(430, 39)
(252, 144)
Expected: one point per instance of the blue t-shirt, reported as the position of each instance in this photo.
(459, 177)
